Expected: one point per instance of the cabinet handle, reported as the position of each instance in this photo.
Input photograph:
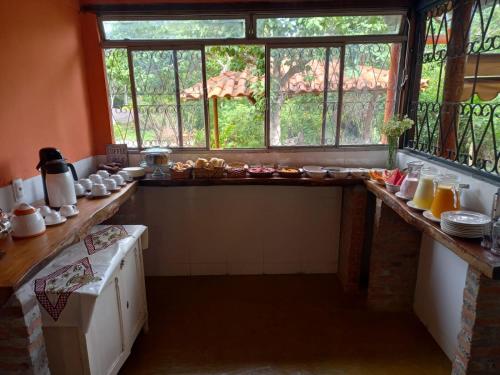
(127, 304)
(122, 263)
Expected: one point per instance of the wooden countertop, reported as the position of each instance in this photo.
(21, 259)
(469, 250)
(278, 181)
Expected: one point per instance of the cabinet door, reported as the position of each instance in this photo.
(104, 338)
(132, 294)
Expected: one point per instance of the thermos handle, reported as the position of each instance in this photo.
(73, 171)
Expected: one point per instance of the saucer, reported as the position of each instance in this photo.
(63, 220)
(91, 196)
(412, 205)
(428, 215)
(401, 196)
(76, 212)
(118, 188)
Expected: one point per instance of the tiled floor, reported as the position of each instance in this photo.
(292, 324)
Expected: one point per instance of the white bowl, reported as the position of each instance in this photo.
(315, 173)
(337, 172)
(393, 189)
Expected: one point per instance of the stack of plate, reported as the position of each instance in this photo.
(465, 224)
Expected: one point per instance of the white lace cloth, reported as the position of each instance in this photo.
(67, 288)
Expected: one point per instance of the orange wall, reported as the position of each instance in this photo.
(43, 86)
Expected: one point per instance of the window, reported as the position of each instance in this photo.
(174, 29)
(326, 81)
(457, 108)
(328, 26)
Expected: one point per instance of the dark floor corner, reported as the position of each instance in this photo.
(290, 324)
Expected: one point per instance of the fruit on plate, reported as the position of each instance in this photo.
(395, 177)
(377, 175)
(261, 171)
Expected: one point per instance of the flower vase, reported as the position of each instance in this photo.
(392, 142)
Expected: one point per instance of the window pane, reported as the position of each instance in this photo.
(296, 96)
(235, 80)
(120, 99)
(328, 26)
(174, 29)
(192, 107)
(370, 82)
(156, 100)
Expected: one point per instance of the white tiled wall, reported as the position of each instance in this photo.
(238, 229)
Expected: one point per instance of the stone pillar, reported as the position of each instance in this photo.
(393, 261)
(478, 350)
(22, 346)
(352, 236)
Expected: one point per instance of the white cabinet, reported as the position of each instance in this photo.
(100, 344)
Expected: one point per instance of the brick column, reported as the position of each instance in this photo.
(352, 236)
(393, 261)
(22, 346)
(478, 349)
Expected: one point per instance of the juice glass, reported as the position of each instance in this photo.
(424, 195)
(446, 195)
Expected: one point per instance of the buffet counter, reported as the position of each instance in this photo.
(469, 250)
(20, 259)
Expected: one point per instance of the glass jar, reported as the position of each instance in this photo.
(410, 182)
(156, 158)
(424, 195)
(446, 195)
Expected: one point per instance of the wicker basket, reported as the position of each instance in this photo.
(237, 170)
(181, 175)
(203, 173)
(290, 174)
(261, 174)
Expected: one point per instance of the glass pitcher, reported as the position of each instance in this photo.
(410, 182)
(446, 195)
(424, 195)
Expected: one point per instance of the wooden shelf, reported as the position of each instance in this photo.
(21, 259)
(278, 181)
(469, 250)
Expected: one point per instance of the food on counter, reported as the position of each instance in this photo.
(261, 171)
(378, 175)
(236, 169)
(201, 163)
(216, 162)
(394, 177)
(315, 171)
(289, 172)
(209, 164)
(180, 166)
(110, 167)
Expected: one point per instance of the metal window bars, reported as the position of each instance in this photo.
(457, 114)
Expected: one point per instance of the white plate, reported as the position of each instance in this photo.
(428, 215)
(63, 220)
(462, 235)
(401, 196)
(465, 218)
(90, 196)
(412, 205)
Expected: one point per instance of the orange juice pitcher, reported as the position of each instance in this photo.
(446, 195)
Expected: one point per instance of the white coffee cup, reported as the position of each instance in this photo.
(125, 175)
(68, 210)
(79, 189)
(98, 190)
(86, 183)
(103, 173)
(45, 210)
(53, 217)
(95, 178)
(118, 179)
(110, 183)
